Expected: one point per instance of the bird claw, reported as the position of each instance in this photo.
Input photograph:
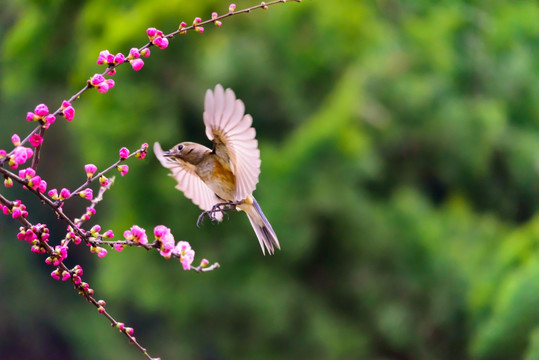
(221, 207)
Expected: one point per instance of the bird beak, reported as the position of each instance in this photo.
(167, 153)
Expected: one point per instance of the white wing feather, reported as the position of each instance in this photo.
(189, 182)
(228, 126)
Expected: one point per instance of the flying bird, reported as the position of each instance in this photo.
(224, 177)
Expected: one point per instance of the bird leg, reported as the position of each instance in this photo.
(221, 207)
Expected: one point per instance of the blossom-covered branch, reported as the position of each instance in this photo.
(28, 151)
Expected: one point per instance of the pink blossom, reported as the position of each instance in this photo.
(218, 23)
(185, 253)
(36, 140)
(232, 7)
(199, 29)
(119, 58)
(101, 252)
(41, 110)
(3, 154)
(87, 194)
(108, 234)
(30, 116)
(160, 231)
(102, 58)
(16, 140)
(197, 21)
(53, 194)
(136, 234)
(151, 32)
(96, 80)
(65, 104)
(55, 274)
(134, 53)
(103, 87)
(167, 245)
(48, 120)
(95, 229)
(145, 52)
(124, 153)
(118, 247)
(136, 64)
(66, 275)
(8, 182)
(34, 182)
(160, 42)
(21, 154)
(69, 113)
(204, 263)
(27, 173)
(65, 194)
(90, 170)
(123, 169)
(214, 15)
(42, 187)
(103, 180)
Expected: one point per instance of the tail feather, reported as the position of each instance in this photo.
(264, 232)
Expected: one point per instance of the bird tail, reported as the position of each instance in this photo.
(264, 231)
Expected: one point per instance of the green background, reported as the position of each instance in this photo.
(400, 162)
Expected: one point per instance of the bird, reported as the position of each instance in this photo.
(224, 177)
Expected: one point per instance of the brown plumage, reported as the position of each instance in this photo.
(229, 172)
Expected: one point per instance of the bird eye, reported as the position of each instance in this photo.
(180, 147)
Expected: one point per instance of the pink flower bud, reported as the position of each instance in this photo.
(53, 194)
(8, 182)
(145, 52)
(134, 53)
(136, 64)
(30, 116)
(118, 247)
(16, 140)
(199, 29)
(90, 170)
(151, 32)
(124, 153)
(218, 23)
(101, 252)
(103, 87)
(232, 7)
(95, 229)
(55, 274)
(108, 234)
(3, 154)
(87, 194)
(160, 230)
(103, 180)
(49, 119)
(119, 58)
(214, 15)
(204, 263)
(42, 187)
(123, 169)
(197, 21)
(41, 110)
(161, 42)
(66, 275)
(65, 104)
(36, 140)
(96, 80)
(65, 194)
(69, 113)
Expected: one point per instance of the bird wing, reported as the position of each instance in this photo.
(230, 129)
(188, 181)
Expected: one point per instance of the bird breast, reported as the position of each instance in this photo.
(217, 176)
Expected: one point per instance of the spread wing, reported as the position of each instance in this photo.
(234, 138)
(188, 181)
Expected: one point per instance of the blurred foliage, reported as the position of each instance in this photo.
(400, 161)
